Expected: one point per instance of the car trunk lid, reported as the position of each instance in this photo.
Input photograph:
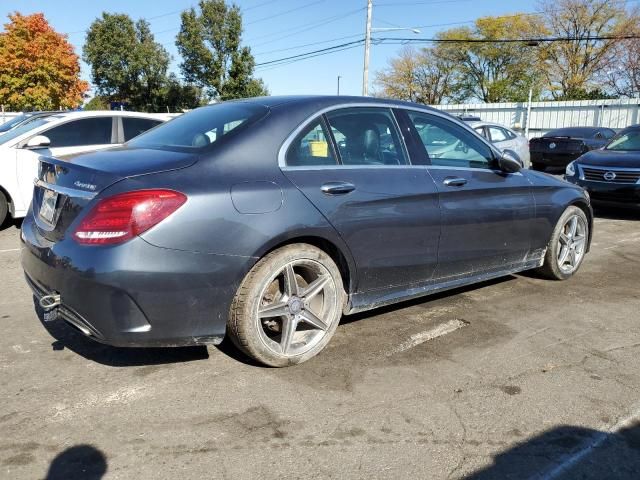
(556, 144)
(65, 187)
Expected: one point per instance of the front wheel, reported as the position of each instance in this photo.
(4, 208)
(288, 306)
(568, 245)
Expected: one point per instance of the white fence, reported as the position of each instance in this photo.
(546, 116)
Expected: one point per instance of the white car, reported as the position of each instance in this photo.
(506, 139)
(59, 135)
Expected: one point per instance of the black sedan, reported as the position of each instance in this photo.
(268, 219)
(613, 173)
(559, 147)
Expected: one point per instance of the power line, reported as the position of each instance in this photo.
(322, 50)
(286, 12)
(307, 44)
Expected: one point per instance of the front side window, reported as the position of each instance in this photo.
(312, 147)
(367, 136)
(449, 144)
(79, 133)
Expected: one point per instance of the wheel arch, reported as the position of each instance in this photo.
(586, 208)
(338, 253)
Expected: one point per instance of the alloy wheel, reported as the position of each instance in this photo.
(296, 308)
(571, 244)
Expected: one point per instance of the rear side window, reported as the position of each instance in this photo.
(202, 127)
(135, 126)
(79, 133)
(311, 147)
(367, 136)
(498, 134)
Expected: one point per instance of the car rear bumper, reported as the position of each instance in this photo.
(553, 159)
(609, 191)
(134, 294)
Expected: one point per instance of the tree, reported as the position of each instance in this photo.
(573, 67)
(423, 76)
(97, 103)
(38, 67)
(127, 64)
(213, 58)
(495, 71)
(622, 75)
(176, 96)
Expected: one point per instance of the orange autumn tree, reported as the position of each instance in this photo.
(38, 68)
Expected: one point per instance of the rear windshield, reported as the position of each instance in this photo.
(572, 132)
(201, 128)
(626, 141)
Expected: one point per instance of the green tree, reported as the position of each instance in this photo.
(97, 103)
(213, 57)
(127, 64)
(422, 76)
(177, 96)
(495, 71)
(574, 67)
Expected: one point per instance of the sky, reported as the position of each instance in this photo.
(274, 29)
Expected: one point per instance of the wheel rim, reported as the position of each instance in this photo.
(297, 308)
(571, 244)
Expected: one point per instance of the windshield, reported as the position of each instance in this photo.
(627, 140)
(202, 127)
(571, 132)
(5, 127)
(24, 128)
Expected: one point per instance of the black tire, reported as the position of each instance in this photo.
(550, 269)
(4, 209)
(539, 167)
(244, 322)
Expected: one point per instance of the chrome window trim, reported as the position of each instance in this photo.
(282, 153)
(376, 167)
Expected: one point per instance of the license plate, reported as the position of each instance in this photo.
(50, 315)
(48, 206)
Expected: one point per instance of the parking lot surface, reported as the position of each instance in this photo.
(516, 378)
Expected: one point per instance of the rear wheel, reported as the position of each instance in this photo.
(4, 208)
(568, 245)
(288, 306)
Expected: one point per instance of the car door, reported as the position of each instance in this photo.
(352, 164)
(486, 213)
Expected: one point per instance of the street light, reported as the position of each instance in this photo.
(367, 45)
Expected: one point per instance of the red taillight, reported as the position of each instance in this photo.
(121, 217)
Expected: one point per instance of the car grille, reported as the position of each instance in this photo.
(611, 176)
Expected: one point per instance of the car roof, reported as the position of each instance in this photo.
(487, 124)
(328, 100)
(109, 113)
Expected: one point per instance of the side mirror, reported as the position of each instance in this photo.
(39, 141)
(508, 163)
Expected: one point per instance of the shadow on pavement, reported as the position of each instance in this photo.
(81, 461)
(617, 212)
(11, 223)
(569, 453)
(67, 337)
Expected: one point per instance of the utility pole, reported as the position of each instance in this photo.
(339, 77)
(367, 47)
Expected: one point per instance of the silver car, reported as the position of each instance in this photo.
(506, 139)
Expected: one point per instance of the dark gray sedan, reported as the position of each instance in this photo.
(268, 219)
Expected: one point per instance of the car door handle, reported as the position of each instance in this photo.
(455, 181)
(337, 188)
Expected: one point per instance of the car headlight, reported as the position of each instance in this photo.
(571, 170)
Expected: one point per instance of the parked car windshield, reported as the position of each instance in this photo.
(24, 128)
(627, 140)
(575, 132)
(5, 127)
(202, 127)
